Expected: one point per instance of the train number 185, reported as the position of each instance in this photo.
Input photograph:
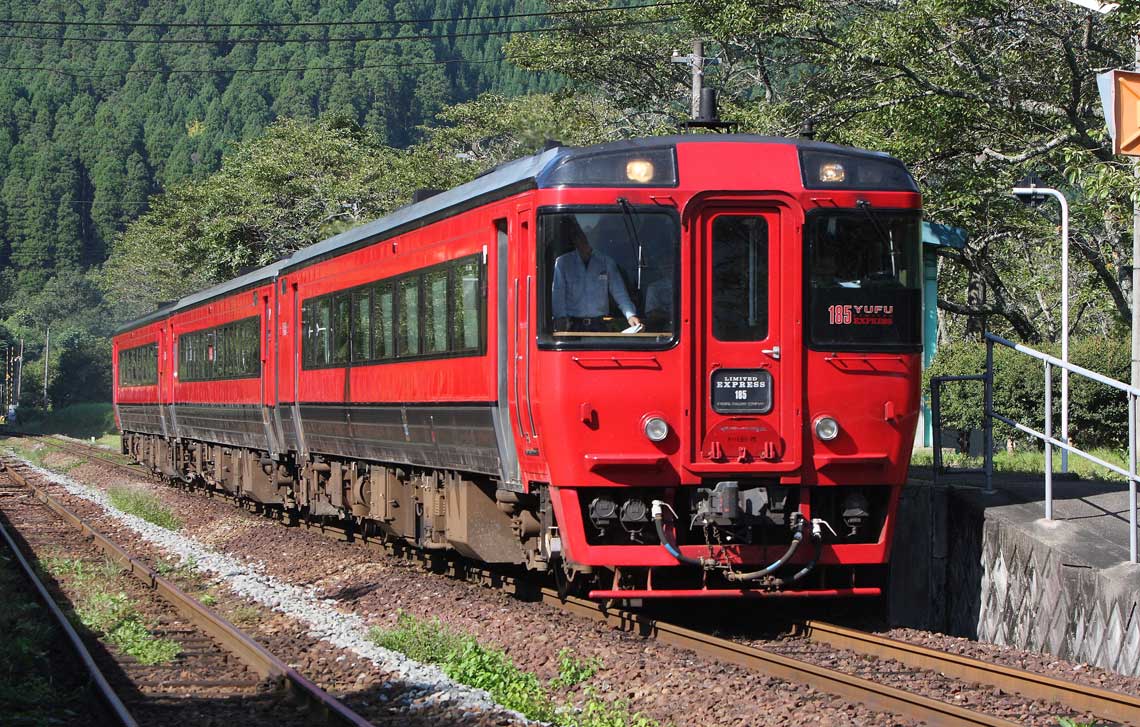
(839, 314)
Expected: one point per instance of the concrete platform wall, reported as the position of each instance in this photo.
(991, 570)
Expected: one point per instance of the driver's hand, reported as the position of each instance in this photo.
(634, 321)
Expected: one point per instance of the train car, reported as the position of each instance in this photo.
(668, 367)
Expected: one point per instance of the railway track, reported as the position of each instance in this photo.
(219, 674)
(1106, 705)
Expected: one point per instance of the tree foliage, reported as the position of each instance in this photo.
(91, 126)
(304, 181)
(971, 94)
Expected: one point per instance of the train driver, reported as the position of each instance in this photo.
(584, 282)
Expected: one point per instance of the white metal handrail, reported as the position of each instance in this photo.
(1047, 437)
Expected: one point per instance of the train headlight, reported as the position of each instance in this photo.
(832, 173)
(656, 428)
(639, 170)
(826, 428)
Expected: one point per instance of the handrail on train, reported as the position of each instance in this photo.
(1047, 437)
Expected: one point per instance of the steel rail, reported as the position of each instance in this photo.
(107, 694)
(1103, 703)
(256, 657)
(876, 696)
(1082, 698)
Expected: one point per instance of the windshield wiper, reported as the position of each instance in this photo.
(631, 228)
(884, 236)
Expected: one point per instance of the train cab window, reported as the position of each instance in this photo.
(740, 278)
(435, 311)
(361, 325)
(408, 317)
(382, 328)
(609, 277)
(465, 289)
(864, 279)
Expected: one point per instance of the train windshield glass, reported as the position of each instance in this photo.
(864, 279)
(609, 277)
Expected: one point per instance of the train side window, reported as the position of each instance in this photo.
(362, 325)
(251, 352)
(408, 317)
(382, 322)
(138, 366)
(341, 328)
(466, 289)
(740, 278)
(435, 311)
(322, 320)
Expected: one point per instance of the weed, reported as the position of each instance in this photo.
(145, 505)
(133, 638)
(208, 600)
(110, 614)
(245, 615)
(466, 661)
(572, 670)
(1070, 722)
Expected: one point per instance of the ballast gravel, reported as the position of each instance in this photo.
(669, 685)
(424, 686)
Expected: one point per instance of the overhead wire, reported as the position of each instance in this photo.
(337, 39)
(333, 23)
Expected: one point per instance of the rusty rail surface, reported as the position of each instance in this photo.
(118, 711)
(1083, 698)
(256, 657)
(857, 689)
(1101, 702)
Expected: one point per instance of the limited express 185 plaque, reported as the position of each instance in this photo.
(741, 391)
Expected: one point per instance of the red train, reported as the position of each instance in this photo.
(668, 367)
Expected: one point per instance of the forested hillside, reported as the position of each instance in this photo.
(91, 125)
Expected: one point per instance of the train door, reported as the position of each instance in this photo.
(747, 412)
(520, 372)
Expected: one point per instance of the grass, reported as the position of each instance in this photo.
(143, 504)
(32, 691)
(109, 613)
(82, 421)
(462, 658)
(1032, 463)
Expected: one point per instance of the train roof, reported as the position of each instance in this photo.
(501, 181)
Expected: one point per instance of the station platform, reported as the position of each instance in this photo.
(990, 567)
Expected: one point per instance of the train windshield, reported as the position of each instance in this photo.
(609, 277)
(864, 277)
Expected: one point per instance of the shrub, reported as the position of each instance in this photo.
(1098, 414)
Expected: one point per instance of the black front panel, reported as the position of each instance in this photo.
(445, 437)
(863, 279)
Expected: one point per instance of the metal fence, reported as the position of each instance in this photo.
(1048, 363)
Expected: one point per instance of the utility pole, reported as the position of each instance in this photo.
(1135, 380)
(20, 372)
(696, 62)
(47, 362)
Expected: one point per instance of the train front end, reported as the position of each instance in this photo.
(737, 420)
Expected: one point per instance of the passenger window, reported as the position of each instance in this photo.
(740, 278)
(435, 311)
(382, 321)
(361, 325)
(465, 293)
(342, 327)
(322, 351)
(408, 333)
